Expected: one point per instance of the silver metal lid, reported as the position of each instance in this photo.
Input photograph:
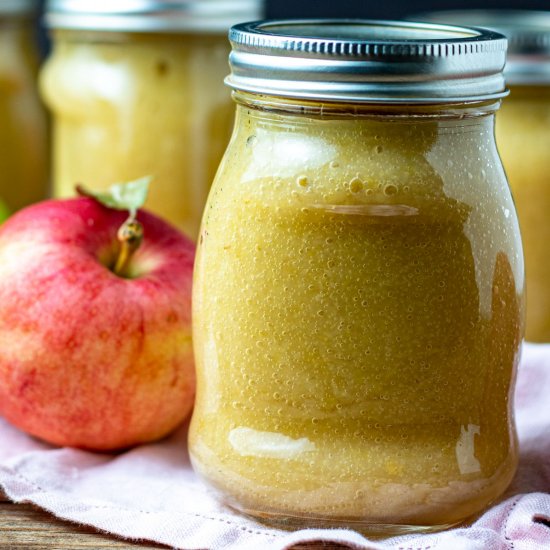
(150, 15)
(367, 61)
(18, 7)
(528, 34)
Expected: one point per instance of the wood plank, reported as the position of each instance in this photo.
(24, 527)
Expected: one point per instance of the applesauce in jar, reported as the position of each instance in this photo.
(523, 139)
(23, 132)
(358, 293)
(138, 90)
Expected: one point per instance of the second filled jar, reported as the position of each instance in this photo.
(135, 89)
(358, 296)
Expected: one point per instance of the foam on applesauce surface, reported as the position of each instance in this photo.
(357, 321)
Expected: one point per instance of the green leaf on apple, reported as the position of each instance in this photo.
(129, 196)
(124, 196)
(4, 211)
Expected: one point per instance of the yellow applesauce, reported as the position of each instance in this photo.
(358, 315)
(129, 104)
(523, 138)
(23, 132)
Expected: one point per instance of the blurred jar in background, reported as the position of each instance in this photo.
(523, 139)
(137, 89)
(23, 132)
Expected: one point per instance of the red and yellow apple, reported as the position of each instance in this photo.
(89, 358)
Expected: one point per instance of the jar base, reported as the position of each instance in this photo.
(371, 529)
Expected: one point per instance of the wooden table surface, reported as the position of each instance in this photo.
(24, 527)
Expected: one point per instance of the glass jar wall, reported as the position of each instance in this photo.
(23, 132)
(142, 95)
(358, 309)
(523, 139)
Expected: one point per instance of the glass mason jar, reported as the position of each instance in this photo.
(523, 139)
(137, 89)
(23, 132)
(358, 293)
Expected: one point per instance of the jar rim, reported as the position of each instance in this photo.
(150, 15)
(361, 60)
(527, 31)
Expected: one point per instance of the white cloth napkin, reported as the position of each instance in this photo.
(151, 492)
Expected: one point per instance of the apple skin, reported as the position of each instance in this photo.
(89, 359)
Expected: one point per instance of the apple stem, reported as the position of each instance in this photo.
(130, 236)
